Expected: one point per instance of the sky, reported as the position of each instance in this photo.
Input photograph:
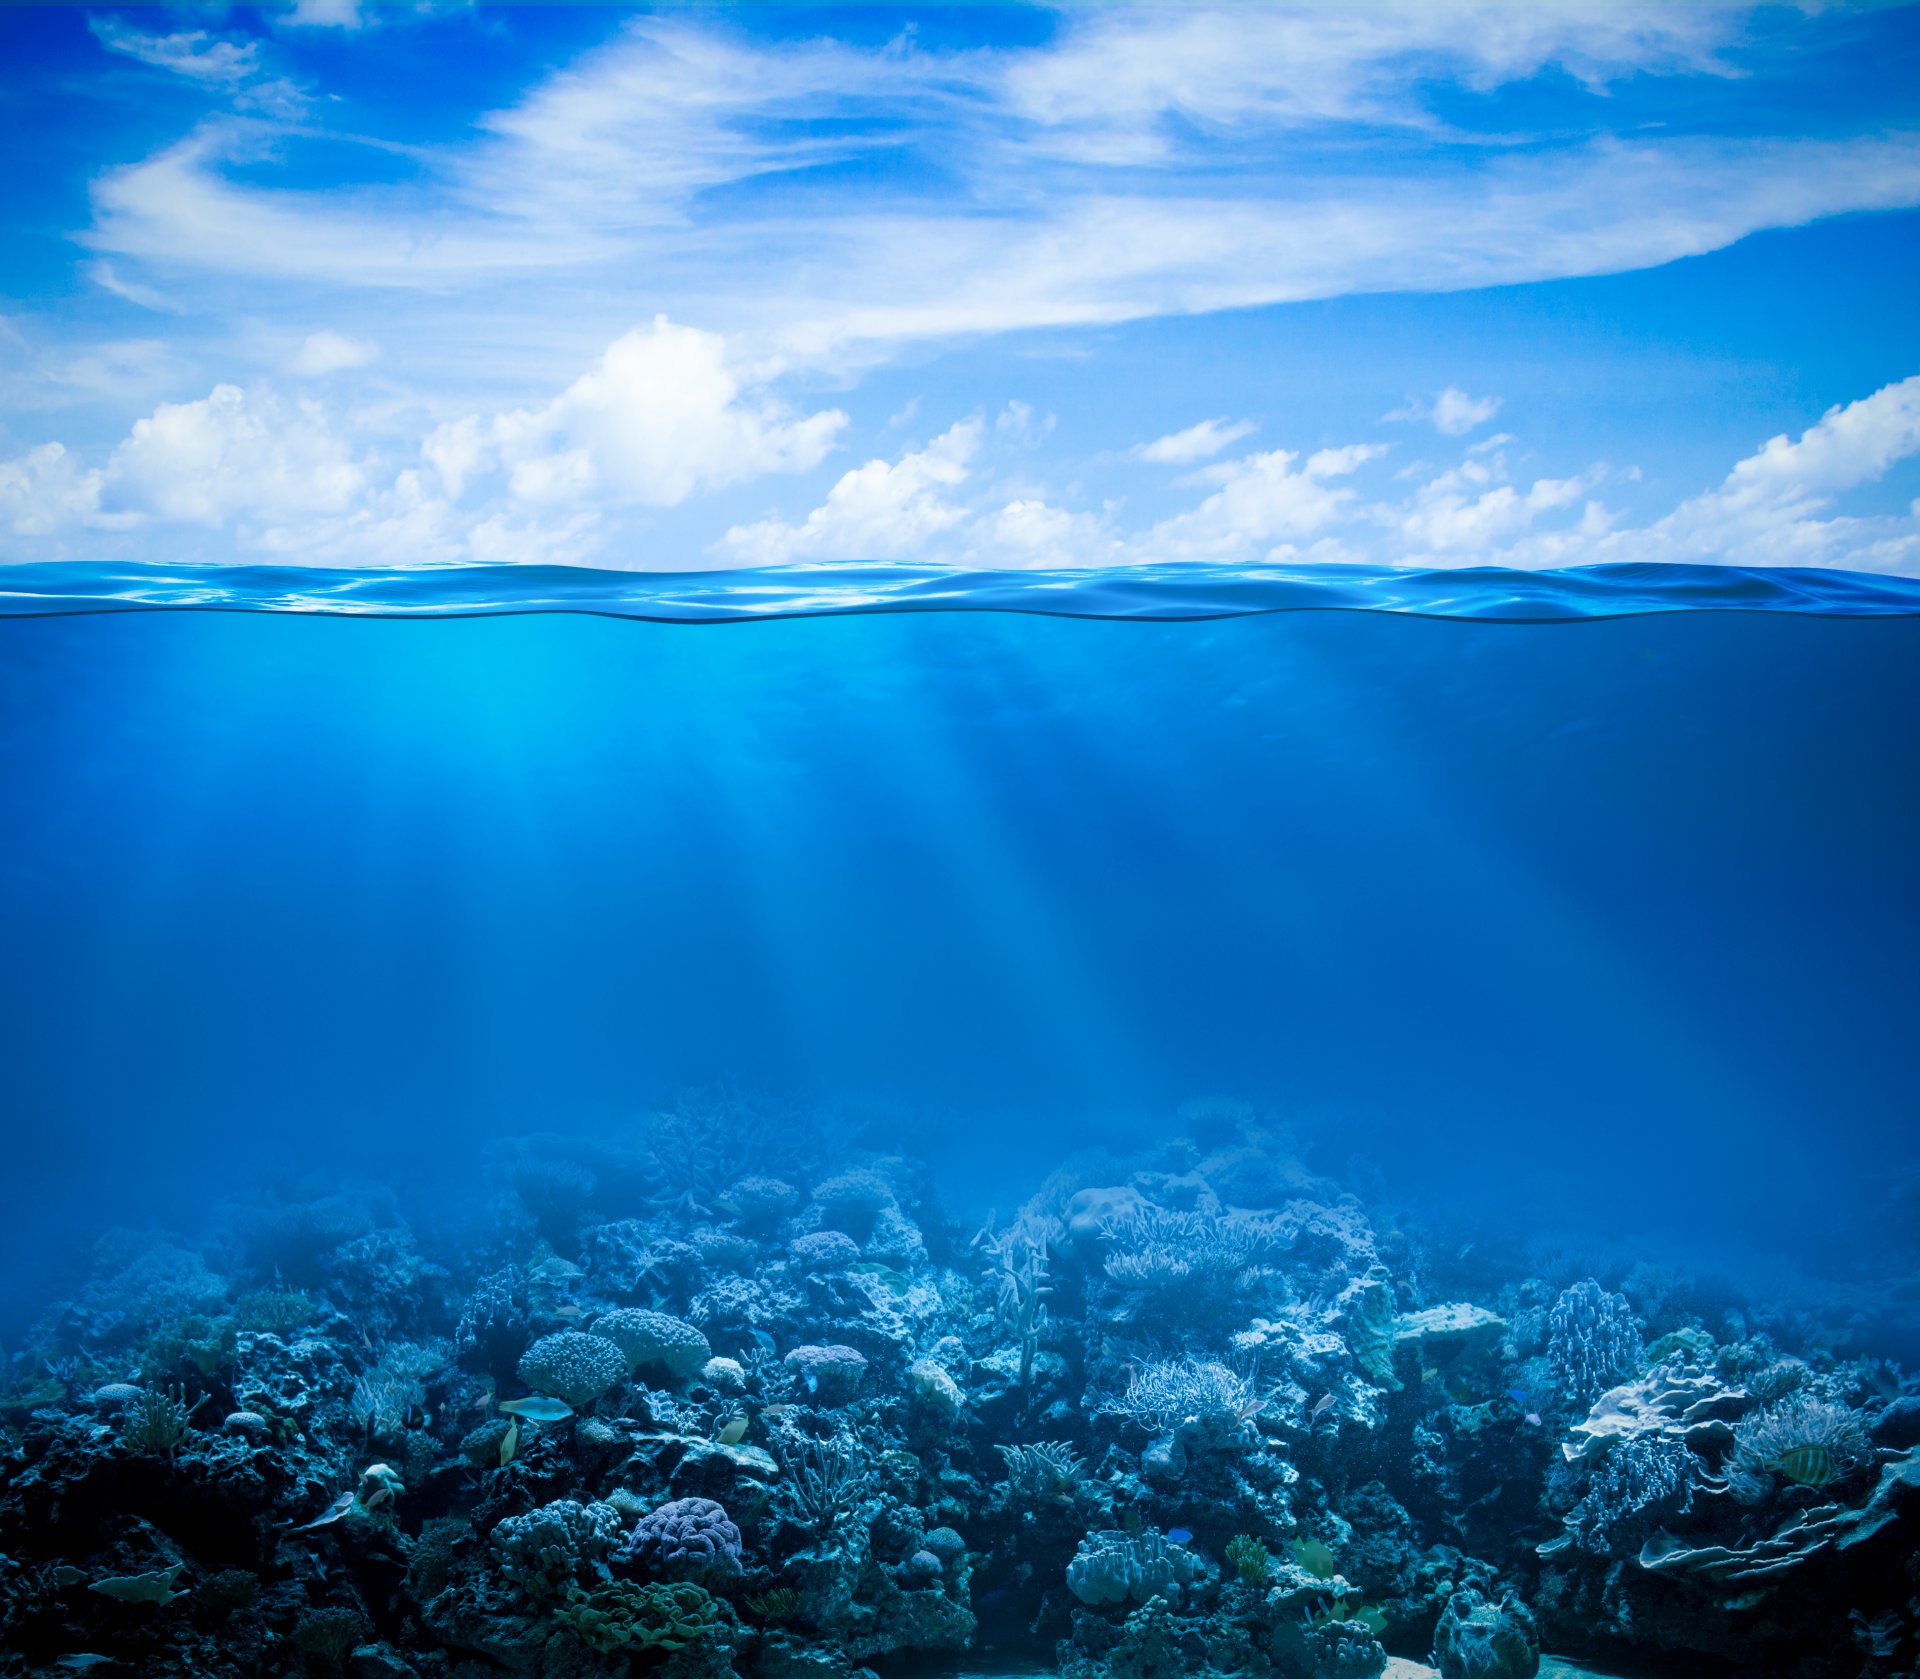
(1437, 283)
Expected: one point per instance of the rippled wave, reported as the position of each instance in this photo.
(1166, 592)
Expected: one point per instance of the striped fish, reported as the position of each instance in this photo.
(1806, 1465)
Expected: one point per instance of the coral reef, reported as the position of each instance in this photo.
(1195, 1414)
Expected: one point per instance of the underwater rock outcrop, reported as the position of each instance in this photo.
(1196, 1414)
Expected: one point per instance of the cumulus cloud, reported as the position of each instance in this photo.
(46, 490)
(1260, 502)
(884, 510)
(1452, 413)
(233, 453)
(1774, 507)
(661, 415)
(1196, 443)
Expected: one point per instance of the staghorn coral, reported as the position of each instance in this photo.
(1169, 1394)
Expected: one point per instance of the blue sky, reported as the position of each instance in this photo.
(1443, 282)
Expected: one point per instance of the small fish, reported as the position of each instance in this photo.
(509, 1442)
(1809, 1465)
(1179, 1536)
(1518, 1395)
(333, 1512)
(732, 1431)
(538, 1408)
(1321, 1406)
(763, 1341)
(1532, 1419)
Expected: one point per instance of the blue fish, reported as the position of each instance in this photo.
(1178, 1536)
(1517, 1395)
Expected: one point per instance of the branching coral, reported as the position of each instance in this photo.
(824, 1479)
(1043, 1472)
(1192, 1255)
(1593, 1341)
(1167, 1394)
(159, 1422)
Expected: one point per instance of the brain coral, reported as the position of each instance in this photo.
(653, 1340)
(574, 1367)
(687, 1536)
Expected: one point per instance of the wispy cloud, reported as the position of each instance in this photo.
(1452, 413)
(1083, 182)
(1196, 443)
(659, 274)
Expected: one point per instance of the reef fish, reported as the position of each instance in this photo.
(1322, 1406)
(1179, 1536)
(732, 1432)
(539, 1408)
(1807, 1465)
(509, 1442)
(333, 1512)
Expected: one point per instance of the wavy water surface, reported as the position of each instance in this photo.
(1165, 592)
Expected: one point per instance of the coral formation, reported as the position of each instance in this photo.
(1198, 1414)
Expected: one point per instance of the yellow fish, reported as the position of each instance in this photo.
(509, 1442)
(1808, 1465)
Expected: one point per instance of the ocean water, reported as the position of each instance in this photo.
(1257, 946)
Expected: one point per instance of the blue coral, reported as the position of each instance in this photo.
(689, 1536)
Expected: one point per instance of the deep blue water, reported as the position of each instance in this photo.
(1609, 922)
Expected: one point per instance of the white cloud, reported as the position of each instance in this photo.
(324, 352)
(1774, 506)
(885, 510)
(1260, 501)
(324, 14)
(1086, 178)
(1126, 83)
(216, 63)
(1452, 413)
(199, 56)
(1029, 534)
(233, 453)
(1471, 510)
(45, 491)
(1196, 443)
(662, 415)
